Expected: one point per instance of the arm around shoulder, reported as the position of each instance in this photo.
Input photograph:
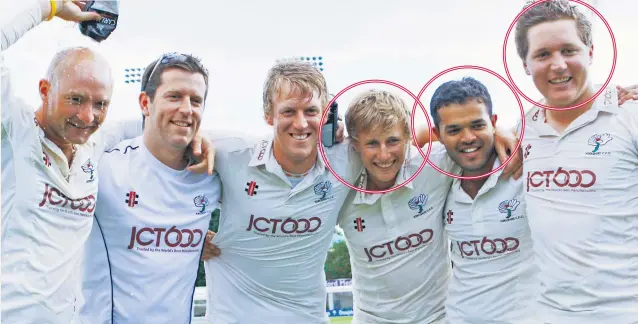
(113, 132)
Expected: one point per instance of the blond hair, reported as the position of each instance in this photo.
(376, 109)
(302, 78)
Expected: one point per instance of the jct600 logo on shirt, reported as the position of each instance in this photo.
(283, 227)
(400, 245)
(57, 201)
(561, 180)
(160, 239)
(487, 248)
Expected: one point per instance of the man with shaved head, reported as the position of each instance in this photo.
(49, 178)
(76, 77)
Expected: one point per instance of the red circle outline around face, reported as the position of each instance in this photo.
(325, 115)
(509, 77)
(473, 67)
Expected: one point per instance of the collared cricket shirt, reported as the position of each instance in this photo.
(493, 274)
(582, 200)
(398, 250)
(274, 238)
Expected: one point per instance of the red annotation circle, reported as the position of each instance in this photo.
(325, 115)
(462, 67)
(507, 71)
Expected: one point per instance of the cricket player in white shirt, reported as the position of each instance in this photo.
(279, 209)
(50, 161)
(581, 167)
(142, 258)
(398, 250)
(276, 226)
(493, 277)
(49, 179)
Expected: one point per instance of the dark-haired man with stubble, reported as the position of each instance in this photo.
(143, 253)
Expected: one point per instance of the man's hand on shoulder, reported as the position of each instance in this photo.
(505, 142)
(340, 132)
(204, 154)
(627, 93)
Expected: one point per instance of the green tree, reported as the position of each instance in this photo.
(338, 262)
(213, 225)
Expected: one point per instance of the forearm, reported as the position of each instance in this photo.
(30, 14)
(423, 136)
(15, 23)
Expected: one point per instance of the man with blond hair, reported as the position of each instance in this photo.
(278, 210)
(581, 166)
(398, 251)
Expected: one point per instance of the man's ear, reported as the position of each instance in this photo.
(526, 68)
(145, 101)
(44, 86)
(591, 54)
(437, 133)
(269, 119)
(493, 121)
(355, 144)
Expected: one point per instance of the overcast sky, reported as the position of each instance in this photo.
(406, 42)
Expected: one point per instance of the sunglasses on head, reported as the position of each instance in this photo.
(165, 59)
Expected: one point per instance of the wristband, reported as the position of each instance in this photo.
(54, 8)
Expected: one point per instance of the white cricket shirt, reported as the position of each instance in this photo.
(274, 238)
(47, 206)
(142, 257)
(493, 277)
(582, 199)
(398, 250)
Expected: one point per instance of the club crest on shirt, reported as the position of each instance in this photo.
(598, 140)
(418, 203)
(201, 202)
(322, 189)
(507, 207)
(89, 168)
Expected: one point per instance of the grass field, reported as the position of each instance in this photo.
(341, 320)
